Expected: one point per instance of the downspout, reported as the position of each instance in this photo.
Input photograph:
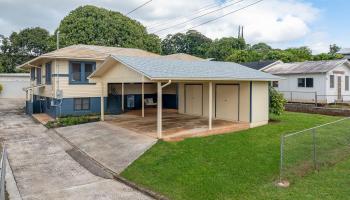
(166, 84)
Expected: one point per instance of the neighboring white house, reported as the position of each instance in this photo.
(345, 52)
(321, 81)
(13, 85)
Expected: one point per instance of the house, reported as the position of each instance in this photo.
(83, 79)
(13, 84)
(345, 52)
(321, 81)
(260, 65)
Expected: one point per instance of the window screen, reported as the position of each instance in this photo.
(274, 83)
(48, 74)
(301, 82)
(309, 82)
(89, 68)
(82, 104)
(76, 72)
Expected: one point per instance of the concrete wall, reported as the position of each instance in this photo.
(13, 85)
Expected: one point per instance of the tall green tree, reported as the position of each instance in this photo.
(192, 42)
(261, 47)
(23, 46)
(220, 49)
(334, 49)
(98, 26)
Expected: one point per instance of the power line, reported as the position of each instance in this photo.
(195, 12)
(244, 7)
(140, 6)
(192, 19)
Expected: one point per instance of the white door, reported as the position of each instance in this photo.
(194, 99)
(227, 102)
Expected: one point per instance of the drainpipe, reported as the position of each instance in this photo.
(168, 83)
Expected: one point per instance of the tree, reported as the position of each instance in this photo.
(98, 26)
(239, 56)
(327, 56)
(192, 42)
(220, 49)
(261, 47)
(334, 49)
(277, 102)
(23, 46)
(300, 54)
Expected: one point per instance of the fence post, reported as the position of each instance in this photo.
(291, 96)
(3, 171)
(316, 99)
(281, 157)
(314, 148)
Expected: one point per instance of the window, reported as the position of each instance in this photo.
(48, 73)
(346, 83)
(301, 82)
(309, 82)
(331, 81)
(275, 84)
(38, 76)
(79, 71)
(81, 104)
(306, 82)
(32, 73)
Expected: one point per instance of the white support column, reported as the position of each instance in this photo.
(159, 110)
(210, 105)
(143, 97)
(102, 102)
(122, 97)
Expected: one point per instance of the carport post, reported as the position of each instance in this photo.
(210, 105)
(102, 104)
(159, 110)
(122, 97)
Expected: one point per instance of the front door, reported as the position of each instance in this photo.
(227, 102)
(339, 88)
(194, 99)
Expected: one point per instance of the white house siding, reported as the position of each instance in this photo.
(13, 85)
(333, 92)
(289, 87)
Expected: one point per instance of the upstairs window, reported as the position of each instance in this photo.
(38, 75)
(32, 73)
(79, 72)
(331, 81)
(48, 73)
(346, 83)
(306, 82)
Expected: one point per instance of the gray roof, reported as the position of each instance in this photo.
(308, 67)
(161, 69)
(344, 51)
(258, 65)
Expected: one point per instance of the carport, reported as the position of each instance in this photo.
(205, 90)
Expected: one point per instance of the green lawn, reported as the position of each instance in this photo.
(242, 165)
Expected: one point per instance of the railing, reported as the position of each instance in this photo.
(313, 149)
(3, 173)
(300, 96)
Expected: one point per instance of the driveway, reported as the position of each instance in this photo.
(43, 170)
(112, 146)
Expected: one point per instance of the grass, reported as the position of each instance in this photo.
(242, 165)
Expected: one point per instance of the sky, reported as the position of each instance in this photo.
(280, 23)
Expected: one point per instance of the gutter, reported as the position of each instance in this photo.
(166, 84)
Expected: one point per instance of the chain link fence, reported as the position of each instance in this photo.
(313, 149)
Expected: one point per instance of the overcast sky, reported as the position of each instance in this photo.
(280, 23)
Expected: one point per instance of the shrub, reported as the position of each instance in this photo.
(1, 88)
(277, 102)
(71, 120)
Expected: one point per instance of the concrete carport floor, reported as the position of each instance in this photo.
(43, 170)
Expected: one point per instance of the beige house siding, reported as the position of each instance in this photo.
(260, 104)
(259, 101)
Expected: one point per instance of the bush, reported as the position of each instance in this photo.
(72, 120)
(277, 102)
(1, 88)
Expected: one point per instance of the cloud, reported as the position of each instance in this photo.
(273, 21)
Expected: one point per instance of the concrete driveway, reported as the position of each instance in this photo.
(43, 170)
(112, 146)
